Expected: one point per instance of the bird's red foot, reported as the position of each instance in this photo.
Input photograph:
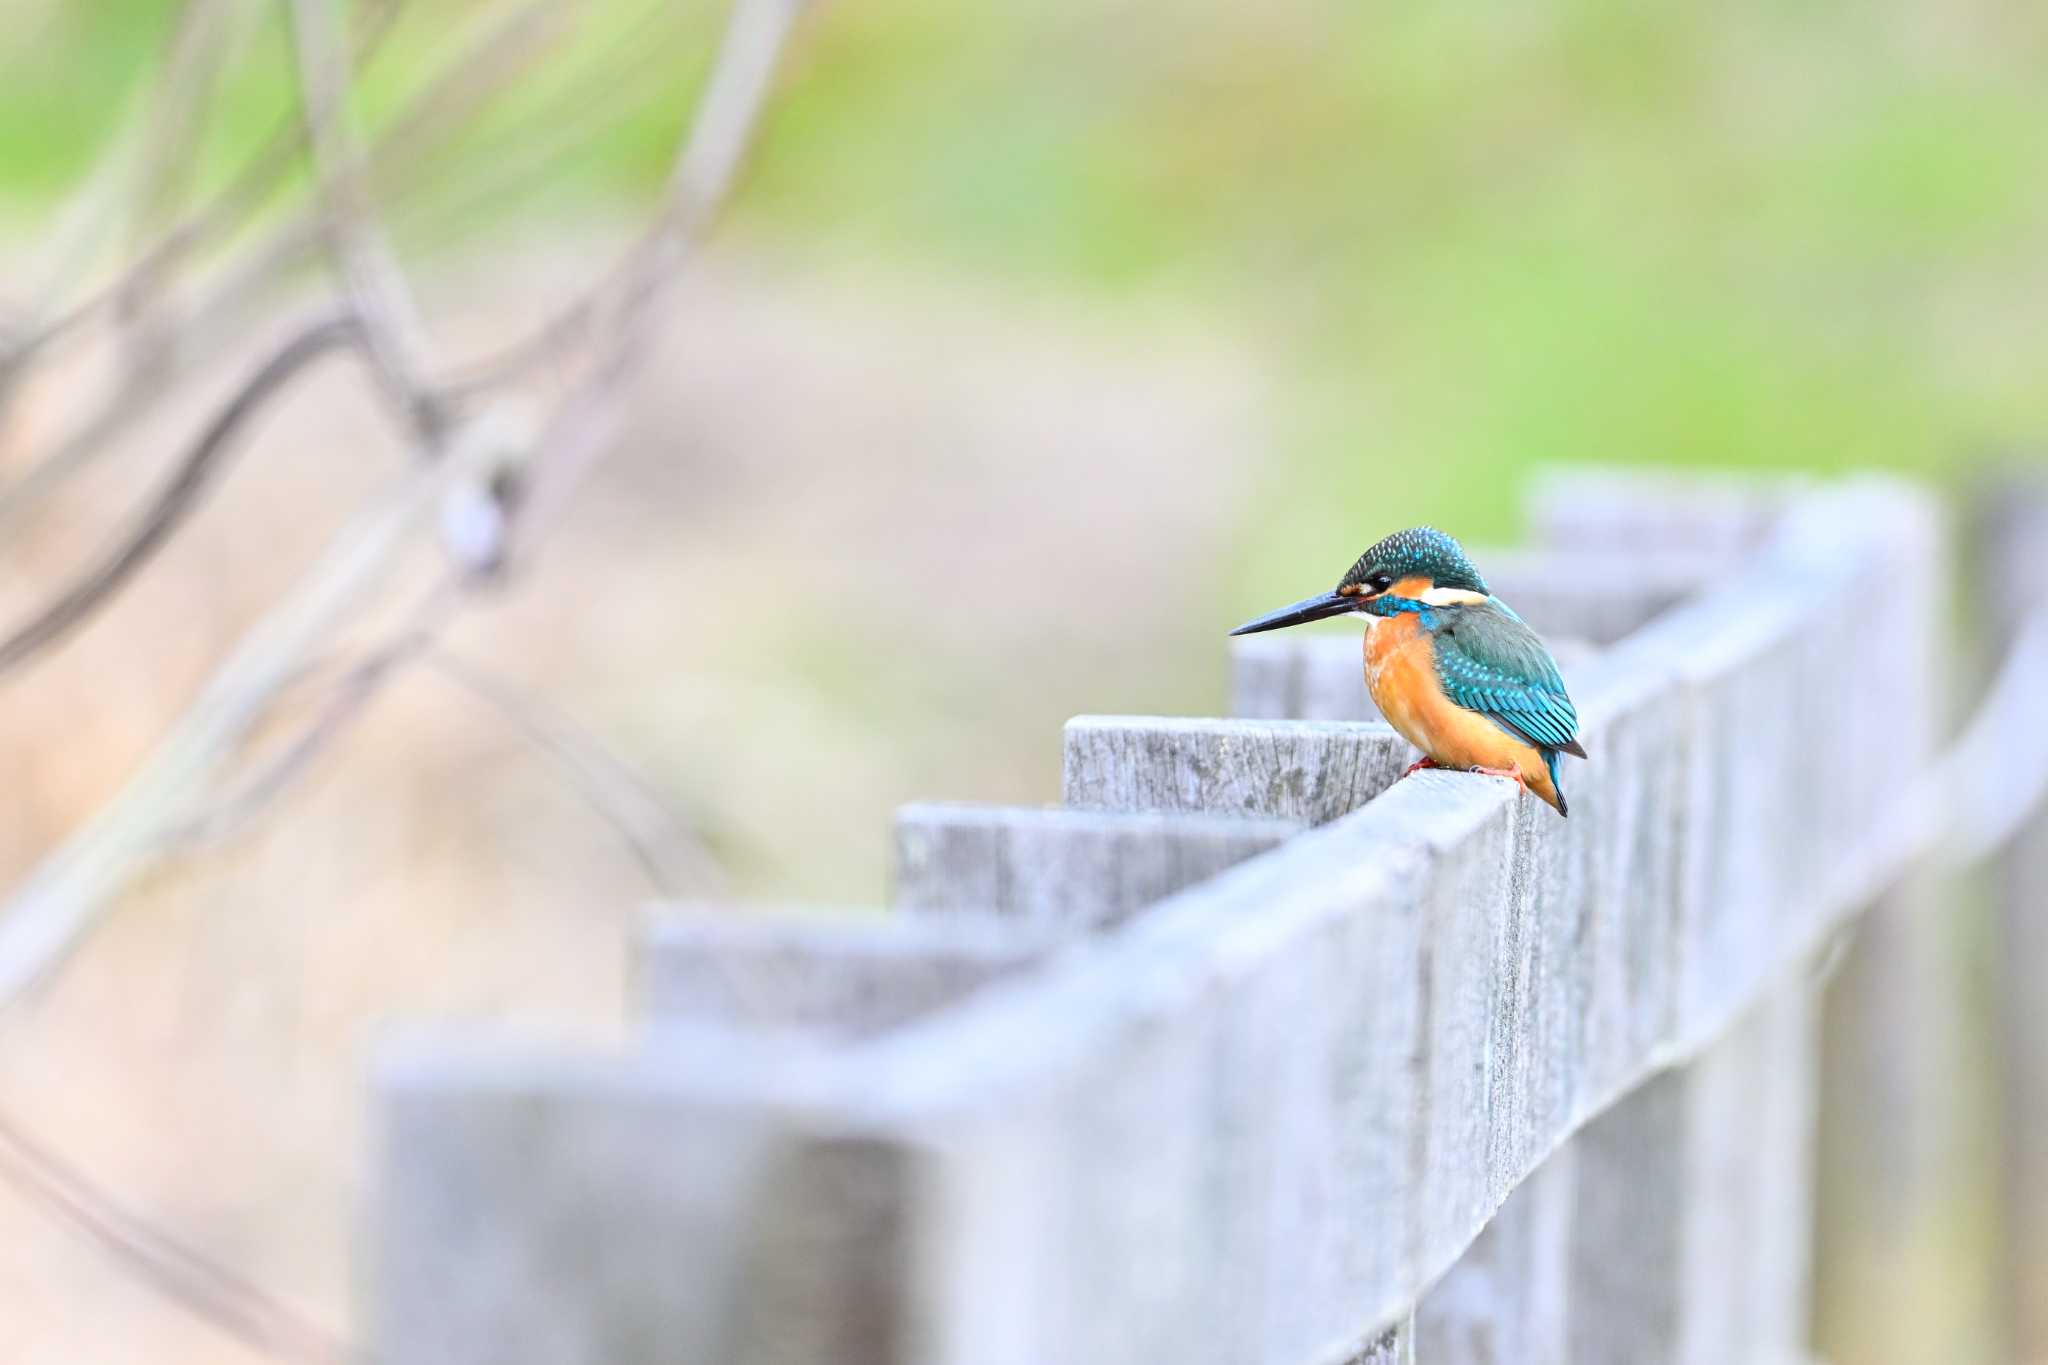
(1509, 773)
(1418, 765)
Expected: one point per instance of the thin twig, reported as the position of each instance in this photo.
(181, 1273)
(115, 184)
(178, 497)
(727, 116)
(628, 290)
(215, 323)
(500, 53)
(70, 889)
(676, 863)
(134, 284)
(168, 159)
(177, 115)
(347, 700)
(393, 334)
(515, 158)
(73, 885)
(477, 73)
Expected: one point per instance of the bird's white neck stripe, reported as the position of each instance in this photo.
(1451, 597)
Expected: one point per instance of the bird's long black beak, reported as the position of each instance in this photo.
(1308, 609)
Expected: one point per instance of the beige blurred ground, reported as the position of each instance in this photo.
(868, 540)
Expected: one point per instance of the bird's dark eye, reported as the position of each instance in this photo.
(1380, 582)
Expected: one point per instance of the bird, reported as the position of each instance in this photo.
(1451, 666)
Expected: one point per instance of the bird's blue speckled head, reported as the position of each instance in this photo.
(1420, 570)
(1420, 552)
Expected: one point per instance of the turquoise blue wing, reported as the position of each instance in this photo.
(1492, 663)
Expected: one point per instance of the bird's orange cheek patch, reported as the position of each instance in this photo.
(1412, 586)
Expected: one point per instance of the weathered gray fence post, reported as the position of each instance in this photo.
(2011, 534)
(1509, 1299)
(1906, 1255)
(1907, 1271)
(559, 1209)
(1694, 1218)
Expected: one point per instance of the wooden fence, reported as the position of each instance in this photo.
(2010, 535)
(1252, 1052)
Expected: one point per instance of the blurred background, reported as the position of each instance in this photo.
(1036, 346)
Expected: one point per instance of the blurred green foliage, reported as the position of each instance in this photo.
(1476, 237)
(66, 74)
(1462, 238)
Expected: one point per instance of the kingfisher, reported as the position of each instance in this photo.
(1451, 666)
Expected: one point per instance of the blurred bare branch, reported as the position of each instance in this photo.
(138, 165)
(348, 697)
(499, 475)
(392, 332)
(501, 48)
(136, 284)
(515, 159)
(624, 308)
(205, 40)
(674, 859)
(186, 1276)
(668, 851)
(74, 884)
(178, 497)
(500, 51)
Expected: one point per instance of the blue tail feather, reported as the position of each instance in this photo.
(1550, 757)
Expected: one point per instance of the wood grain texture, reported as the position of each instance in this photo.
(1307, 772)
(591, 1211)
(1083, 869)
(846, 975)
(982, 891)
(1692, 1246)
(1395, 1346)
(1508, 1300)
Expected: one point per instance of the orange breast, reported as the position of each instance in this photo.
(1400, 672)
